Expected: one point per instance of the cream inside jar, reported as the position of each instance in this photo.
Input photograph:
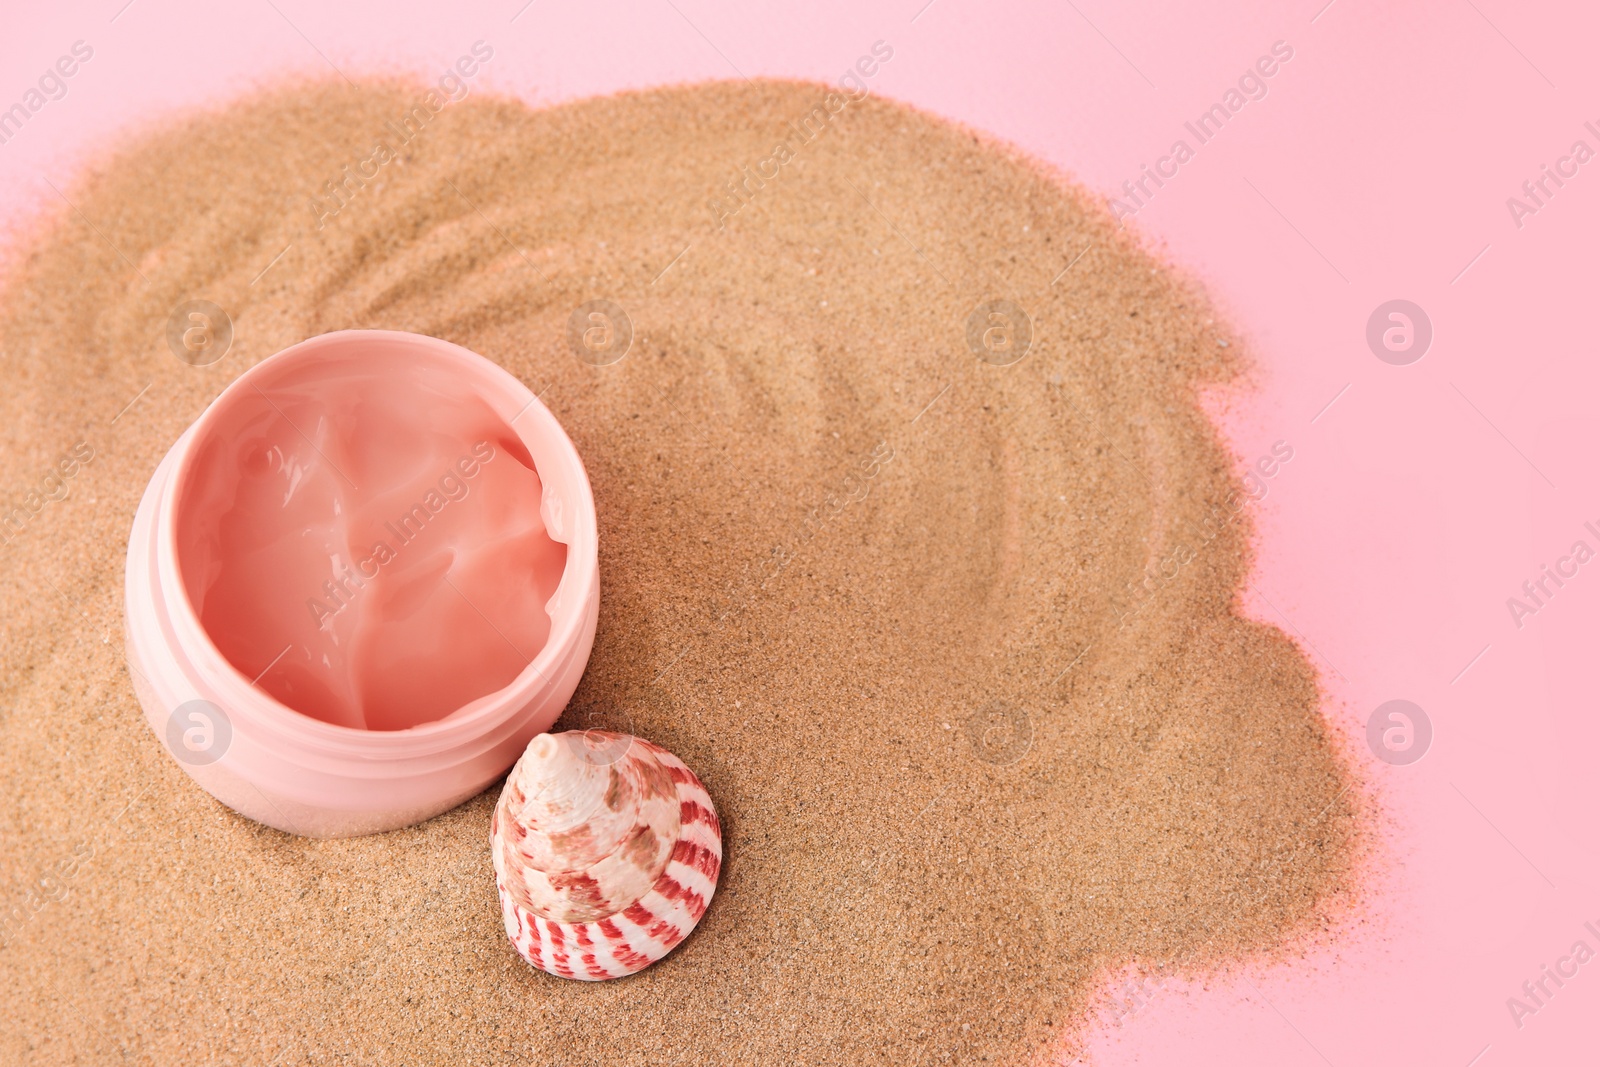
(365, 542)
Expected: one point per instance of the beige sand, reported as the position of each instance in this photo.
(889, 599)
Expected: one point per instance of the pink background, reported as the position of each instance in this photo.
(1377, 167)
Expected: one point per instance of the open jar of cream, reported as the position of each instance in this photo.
(360, 583)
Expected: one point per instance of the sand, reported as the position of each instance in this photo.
(950, 639)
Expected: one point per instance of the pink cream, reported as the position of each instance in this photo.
(368, 547)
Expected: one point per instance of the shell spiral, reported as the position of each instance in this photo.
(606, 853)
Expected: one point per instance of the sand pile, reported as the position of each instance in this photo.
(913, 543)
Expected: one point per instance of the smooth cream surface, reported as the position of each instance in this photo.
(365, 541)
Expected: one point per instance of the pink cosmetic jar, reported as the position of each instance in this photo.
(413, 528)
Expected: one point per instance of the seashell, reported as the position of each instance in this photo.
(606, 852)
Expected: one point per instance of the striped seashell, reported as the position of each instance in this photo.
(606, 852)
